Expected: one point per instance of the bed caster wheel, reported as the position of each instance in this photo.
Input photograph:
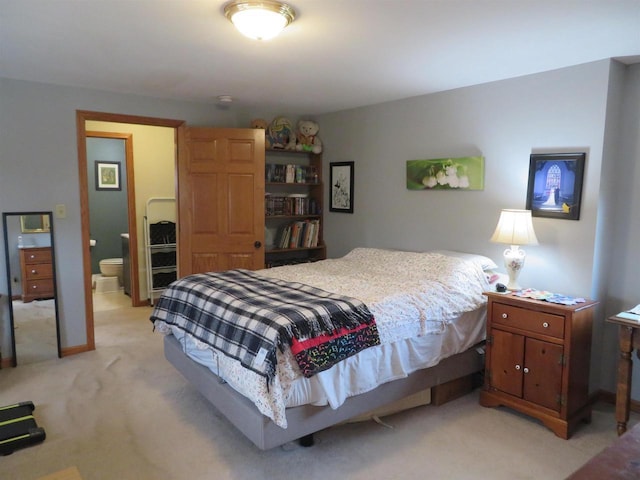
(306, 441)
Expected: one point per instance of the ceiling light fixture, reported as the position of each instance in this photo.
(259, 19)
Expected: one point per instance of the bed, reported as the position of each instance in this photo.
(426, 310)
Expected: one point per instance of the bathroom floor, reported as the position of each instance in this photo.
(110, 300)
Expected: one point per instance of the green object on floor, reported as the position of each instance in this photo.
(18, 427)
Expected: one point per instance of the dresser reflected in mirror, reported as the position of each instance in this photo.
(31, 285)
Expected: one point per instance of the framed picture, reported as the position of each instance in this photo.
(555, 185)
(463, 173)
(107, 175)
(341, 189)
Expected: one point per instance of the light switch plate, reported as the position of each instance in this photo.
(61, 211)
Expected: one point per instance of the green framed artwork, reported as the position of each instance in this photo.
(107, 175)
(464, 173)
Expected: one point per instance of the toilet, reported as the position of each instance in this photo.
(111, 278)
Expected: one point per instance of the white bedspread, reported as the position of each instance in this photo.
(411, 295)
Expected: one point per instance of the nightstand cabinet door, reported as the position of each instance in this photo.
(543, 374)
(506, 362)
(537, 359)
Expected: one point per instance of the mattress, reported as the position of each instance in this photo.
(428, 306)
(384, 363)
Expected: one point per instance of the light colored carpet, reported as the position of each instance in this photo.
(123, 412)
(35, 331)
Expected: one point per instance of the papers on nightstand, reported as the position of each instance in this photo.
(635, 310)
(549, 296)
(633, 314)
(629, 316)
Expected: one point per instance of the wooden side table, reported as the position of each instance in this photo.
(629, 340)
(537, 359)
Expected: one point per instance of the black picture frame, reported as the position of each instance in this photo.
(555, 185)
(341, 187)
(107, 175)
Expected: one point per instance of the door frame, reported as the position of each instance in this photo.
(82, 116)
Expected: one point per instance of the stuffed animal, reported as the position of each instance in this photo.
(259, 123)
(262, 123)
(307, 137)
(280, 134)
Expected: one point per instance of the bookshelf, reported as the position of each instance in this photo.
(293, 208)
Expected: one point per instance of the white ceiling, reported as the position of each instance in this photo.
(336, 55)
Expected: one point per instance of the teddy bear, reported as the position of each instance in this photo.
(263, 124)
(259, 123)
(307, 137)
(280, 134)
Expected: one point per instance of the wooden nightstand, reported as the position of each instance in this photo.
(537, 359)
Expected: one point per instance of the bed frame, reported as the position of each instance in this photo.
(307, 419)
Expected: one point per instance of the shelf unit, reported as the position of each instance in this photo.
(293, 194)
(160, 244)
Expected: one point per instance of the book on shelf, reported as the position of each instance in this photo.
(290, 176)
(300, 234)
(289, 173)
(294, 204)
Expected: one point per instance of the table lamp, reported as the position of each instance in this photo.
(514, 228)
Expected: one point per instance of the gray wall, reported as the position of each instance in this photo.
(39, 169)
(572, 109)
(592, 108)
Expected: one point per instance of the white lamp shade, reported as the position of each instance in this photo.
(260, 20)
(515, 228)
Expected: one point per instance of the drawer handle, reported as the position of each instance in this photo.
(545, 325)
(32, 256)
(35, 287)
(34, 271)
(517, 367)
(504, 315)
(526, 370)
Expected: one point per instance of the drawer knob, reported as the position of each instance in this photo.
(35, 287)
(526, 370)
(32, 256)
(504, 315)
(545, 325)
(34, 271)
(517, 367)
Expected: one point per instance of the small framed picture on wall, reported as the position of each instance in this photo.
(341, 187)
(107, 175)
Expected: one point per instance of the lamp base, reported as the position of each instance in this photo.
(514, 262)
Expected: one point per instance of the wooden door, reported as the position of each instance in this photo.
(220, 200)
(543, 373)
(507, 356)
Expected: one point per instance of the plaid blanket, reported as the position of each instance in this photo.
(248, 316)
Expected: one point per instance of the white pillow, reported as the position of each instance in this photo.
(484, 262)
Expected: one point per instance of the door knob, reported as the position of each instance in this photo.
(257, 244)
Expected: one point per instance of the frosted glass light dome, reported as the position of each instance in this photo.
(260, 20)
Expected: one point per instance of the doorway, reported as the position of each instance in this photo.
(83, 119)
(110, 220)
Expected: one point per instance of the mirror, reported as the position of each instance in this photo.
(38, 223)
(31, 284)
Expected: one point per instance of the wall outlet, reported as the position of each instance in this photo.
(61, 211)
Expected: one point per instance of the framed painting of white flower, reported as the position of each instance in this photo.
(464, 173)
